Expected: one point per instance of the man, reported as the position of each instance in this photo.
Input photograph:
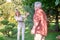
(40, 22)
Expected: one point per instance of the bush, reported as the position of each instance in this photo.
(12, 24)
(1, 38)
(8, 29)
(4, 22)
(2, 2)
(51, 27)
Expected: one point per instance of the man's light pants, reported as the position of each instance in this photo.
(39, 37)
(21, 26)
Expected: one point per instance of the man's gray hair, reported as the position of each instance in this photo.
(38, 4)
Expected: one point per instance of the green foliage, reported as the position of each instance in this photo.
(29, 20)
(3, 31)
(52, 12)
(12, 24)
(4, 22)
(1, 12)
(14, 32)
(28, 2)
(2, 2)
(1, 38)
(45, 3)
(57, 2)
(8, 29)
(28, 5)
(17, 2)
(51, 27)
(7, 9)
(50, 36)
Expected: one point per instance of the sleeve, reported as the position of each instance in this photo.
(15, 18)
(36, 19)
(44, 22)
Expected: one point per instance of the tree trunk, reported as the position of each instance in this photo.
(57, 23)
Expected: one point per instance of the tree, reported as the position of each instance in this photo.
(7, 13)
(50, 5)
(2, 2)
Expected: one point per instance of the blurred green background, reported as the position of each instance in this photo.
(8, 25)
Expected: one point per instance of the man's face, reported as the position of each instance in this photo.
(35, 8)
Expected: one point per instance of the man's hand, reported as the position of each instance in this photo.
(33, 31)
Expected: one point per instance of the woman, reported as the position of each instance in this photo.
(20, 19)
(40, 23)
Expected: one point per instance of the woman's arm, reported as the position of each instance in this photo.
(24, 16)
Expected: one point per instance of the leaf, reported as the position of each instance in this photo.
(4, 22)
(56, 2)
(2, 2)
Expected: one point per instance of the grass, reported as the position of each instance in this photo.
(52, 35)
(29, 36)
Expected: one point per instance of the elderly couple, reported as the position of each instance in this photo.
(40, 23)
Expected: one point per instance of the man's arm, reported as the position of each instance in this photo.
(44, 22)
(36, 19)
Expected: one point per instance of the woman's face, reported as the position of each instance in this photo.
(17, 14)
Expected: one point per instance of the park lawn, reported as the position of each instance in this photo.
(52, 35)
(28, 36)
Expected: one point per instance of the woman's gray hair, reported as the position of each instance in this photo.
(38, 4)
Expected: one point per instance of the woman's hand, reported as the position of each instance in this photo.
(27, 14)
